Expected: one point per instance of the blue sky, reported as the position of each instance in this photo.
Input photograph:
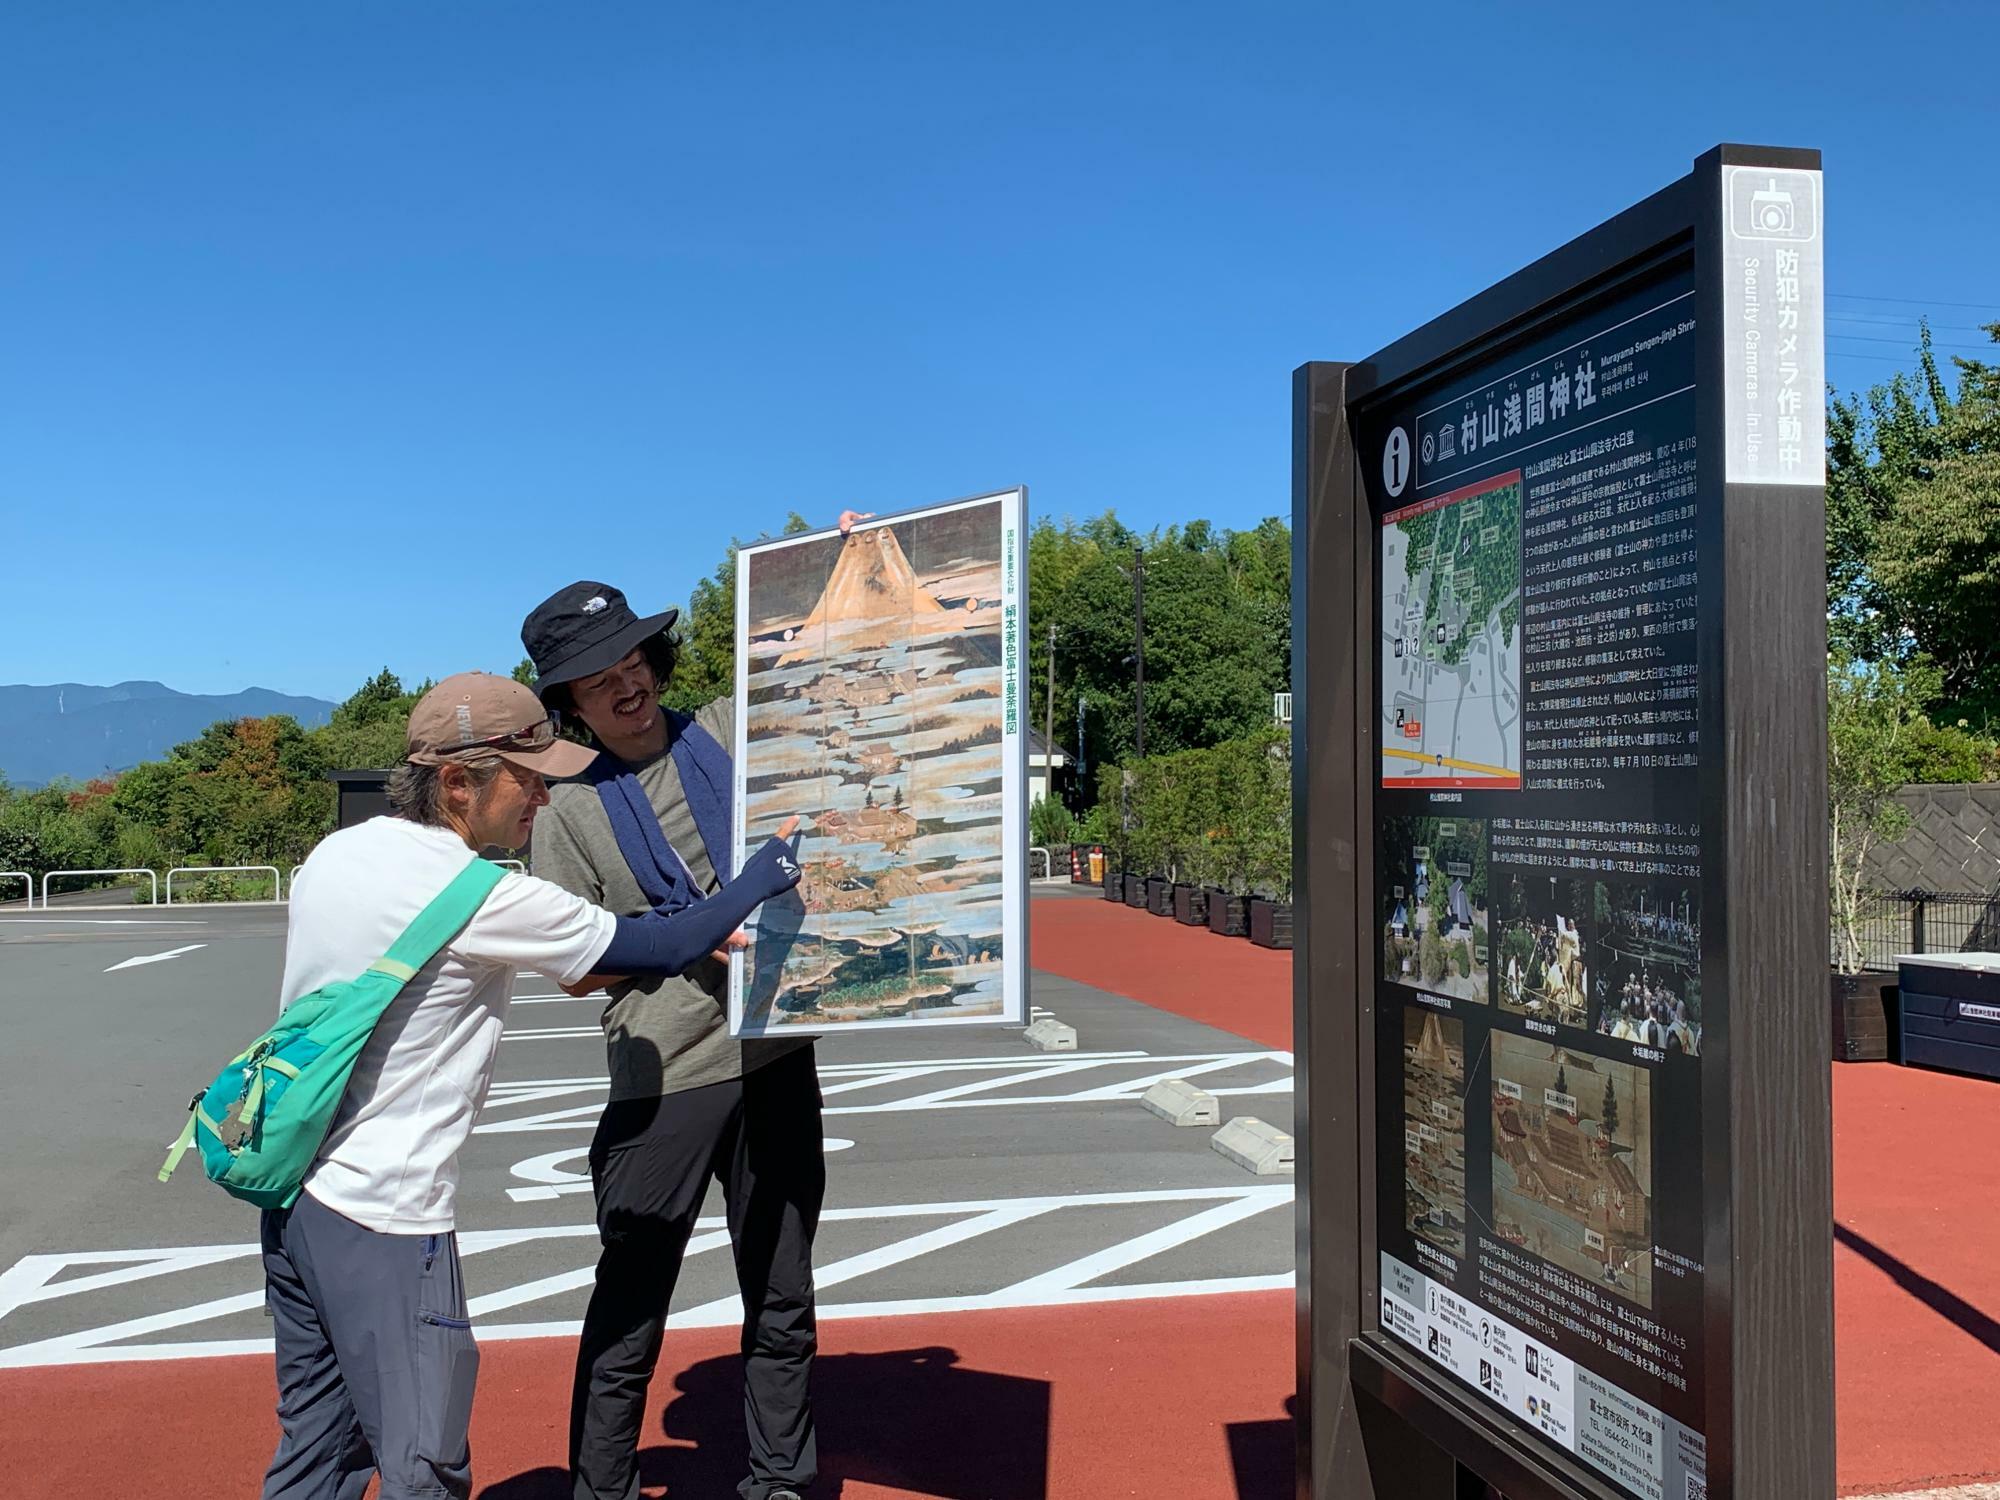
(334, 336)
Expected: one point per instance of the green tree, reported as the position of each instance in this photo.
(1218, 631)
(1609, 1119)
(1937, 560)
(1879, 740)
(707, 632)
(1884, 447)
(1049, 821)
(369, 731)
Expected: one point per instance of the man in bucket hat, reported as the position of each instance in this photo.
(687, 1101)
(375, 1356)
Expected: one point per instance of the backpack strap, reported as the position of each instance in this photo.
(441, 921)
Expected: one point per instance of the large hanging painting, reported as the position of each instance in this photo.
(878, 697)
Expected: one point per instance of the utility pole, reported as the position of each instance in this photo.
(1049, 723)
(1139, 642)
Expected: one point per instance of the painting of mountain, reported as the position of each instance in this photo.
(75, 730)
(878, 698)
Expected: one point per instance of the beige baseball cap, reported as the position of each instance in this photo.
(476, 712)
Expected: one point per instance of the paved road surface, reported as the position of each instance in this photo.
(965, 1171)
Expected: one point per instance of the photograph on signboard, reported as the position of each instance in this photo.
(1434, 1128)
(1573, 1161)
(1647, 957)
(1542, 956)
(1451, 639)
(1433, 905)
(878, 699)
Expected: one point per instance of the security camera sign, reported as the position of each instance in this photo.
(1774, 344)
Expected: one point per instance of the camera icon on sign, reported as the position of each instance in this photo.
(1771, 209)
(1767, 205)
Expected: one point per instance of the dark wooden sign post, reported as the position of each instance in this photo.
(1564, 1135)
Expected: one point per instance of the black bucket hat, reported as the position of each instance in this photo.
(580, 630)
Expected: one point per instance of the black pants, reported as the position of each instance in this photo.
(650, 1163)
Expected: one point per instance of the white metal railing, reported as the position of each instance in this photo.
(153, 898)
(1281, 707)
(1048, 862)
(291, 880)
(511, 864)
(26, 879)
(277, 890)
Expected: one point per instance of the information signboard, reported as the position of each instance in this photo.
(1583, 753)
(1538, 873)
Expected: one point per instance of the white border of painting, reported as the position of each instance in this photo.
(1013, 784)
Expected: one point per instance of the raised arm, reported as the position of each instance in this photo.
(671, 943)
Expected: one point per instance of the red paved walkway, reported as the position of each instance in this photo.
(1184, 1399)
(1179, 1400)
(1916, 1277)
(1916, 1201)
(1226, 982)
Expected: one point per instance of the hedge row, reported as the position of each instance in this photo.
(1220, 816)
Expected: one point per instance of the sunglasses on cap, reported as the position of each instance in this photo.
(534, 737)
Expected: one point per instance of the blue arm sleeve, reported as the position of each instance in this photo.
(671, 943)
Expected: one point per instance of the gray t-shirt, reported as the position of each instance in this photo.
(663, 1035)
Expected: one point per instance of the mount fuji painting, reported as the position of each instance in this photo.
(878, 698)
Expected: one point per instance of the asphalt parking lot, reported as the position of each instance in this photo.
(966, 1171)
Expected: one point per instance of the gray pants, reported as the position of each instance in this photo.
(376, 1361)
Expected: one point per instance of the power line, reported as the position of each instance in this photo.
(1915, 301)
(1866, 339)
(1887, 359)
(1904, 320)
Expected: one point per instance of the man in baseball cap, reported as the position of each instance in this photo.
(375, 1355)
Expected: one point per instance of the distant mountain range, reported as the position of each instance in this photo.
(74, 729)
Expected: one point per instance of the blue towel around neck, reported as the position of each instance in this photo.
(706, 777)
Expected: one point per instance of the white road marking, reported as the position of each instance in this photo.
(729, 1309)
(848, 1077)
(967, 1220)
(154, 958)
(1143, 1247)
(115, 921)
(27, 1280)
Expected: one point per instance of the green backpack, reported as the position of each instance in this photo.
(262, 1122)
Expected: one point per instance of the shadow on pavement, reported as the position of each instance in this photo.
(1939, 1298)
(1263, 1456)
(909, 1419)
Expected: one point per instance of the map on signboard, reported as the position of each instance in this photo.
(1451, 639)
(878, 700)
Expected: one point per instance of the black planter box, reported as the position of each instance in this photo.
(1228, 915)
(1160, 896)
(1191, 905)
(1270, 923)
(1135, 891)
(1114, 886)
(1860, 1020)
